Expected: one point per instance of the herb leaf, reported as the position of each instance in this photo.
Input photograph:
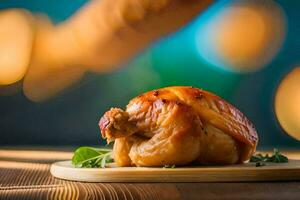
(88, 157)
(277, 157)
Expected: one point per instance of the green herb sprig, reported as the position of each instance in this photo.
(88, 157)
(277, 157)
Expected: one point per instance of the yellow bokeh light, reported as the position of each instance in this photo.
(243, 34)
(16, 38)
(246, 35)
(287, 103)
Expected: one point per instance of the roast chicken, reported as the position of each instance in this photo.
(178, 126)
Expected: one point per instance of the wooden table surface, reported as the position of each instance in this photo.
(24, 174)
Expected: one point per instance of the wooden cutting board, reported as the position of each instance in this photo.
(233, 173)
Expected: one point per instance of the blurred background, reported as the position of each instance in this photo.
(247, 52)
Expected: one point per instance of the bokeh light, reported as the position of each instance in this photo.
(287, 103)
(16, 41)
(242, 36)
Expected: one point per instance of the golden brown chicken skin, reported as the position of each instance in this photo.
(177, 126)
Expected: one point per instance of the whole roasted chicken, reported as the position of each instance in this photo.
(177, 126)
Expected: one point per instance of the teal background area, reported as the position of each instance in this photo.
(72, 117)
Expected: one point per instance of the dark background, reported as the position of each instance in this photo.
(71, 118)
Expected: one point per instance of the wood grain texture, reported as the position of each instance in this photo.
(32, 180)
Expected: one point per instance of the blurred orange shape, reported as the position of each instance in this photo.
(242, 36)
(287, 103)
(246, 35)
(44, 85)
(16, 39)
(101, 36)
(47, 74)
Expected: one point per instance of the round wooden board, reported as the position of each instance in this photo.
(232, 173)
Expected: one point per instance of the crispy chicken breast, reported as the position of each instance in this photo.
(177, 126)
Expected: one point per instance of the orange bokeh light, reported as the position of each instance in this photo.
(16, 39)
(287, 101)
(244, 36)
